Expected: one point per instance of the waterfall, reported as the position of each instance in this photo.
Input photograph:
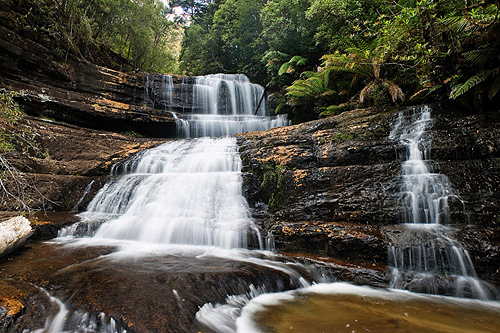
(167, 91)
(187, 191)
(186, 195)
(182, 192)
(424, 194)
(226, 104)
(424, 257)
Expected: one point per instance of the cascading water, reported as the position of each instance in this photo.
(182, 192)
(425, 258)
(186, 196)
(225, 105)
(186, 192)
(424, 194)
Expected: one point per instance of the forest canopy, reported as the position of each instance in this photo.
(132, 34)
(319, 57)
(325, 56)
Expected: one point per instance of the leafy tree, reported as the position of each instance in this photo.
(135, 31)
(347, 22)
(225, 38)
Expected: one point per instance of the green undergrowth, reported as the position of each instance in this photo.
(16, 132)
(16, 137)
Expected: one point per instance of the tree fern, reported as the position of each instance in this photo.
(292, 64)
(472, 82)
(310, 90)
(482, 56)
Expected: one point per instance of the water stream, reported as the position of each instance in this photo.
(182, 202)
(425, 257)
(226, 104)
(171, 233)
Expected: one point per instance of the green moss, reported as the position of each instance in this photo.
(134, 134)
(273, 184)
(342, 136)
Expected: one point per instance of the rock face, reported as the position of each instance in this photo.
(336, 169)
(331, 186)
(77, 92)
(87, 95)
(75, 161)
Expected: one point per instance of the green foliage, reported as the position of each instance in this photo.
(224, 38)
(292, 65)
(15, 136)
(309, 95)
(10, 115)
(134, 134)
(479, 72)
(136, 31)
(15, 131)
(473, 81)
(346, 22)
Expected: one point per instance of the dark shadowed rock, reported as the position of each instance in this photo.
(325, 187)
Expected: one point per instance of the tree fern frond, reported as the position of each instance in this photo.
(284, 68)
(276, 55)
(395, 92)
(473, 81)
(301, 61)
(295, 58)
(279, 107)
(457, 25)
(481, 56)
(365, 91)
(308, 74)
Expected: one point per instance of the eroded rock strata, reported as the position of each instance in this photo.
(330, 187)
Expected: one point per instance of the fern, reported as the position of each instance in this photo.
(285, 68)
(472, 82)
(481, 56)
(289, 67)
(307, 91)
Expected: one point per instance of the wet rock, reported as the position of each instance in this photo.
(17, 299)
(337, 169)
(74, 165)
(483, 246)
(76, 92)
(160, 291)
(321, 178)
(345, 241)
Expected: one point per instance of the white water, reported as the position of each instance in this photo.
(424, 257)
(188, 191)
(182, 192)
(62, 320)
(226, 104)
(364, 313)
(424, 194)
(186, 196)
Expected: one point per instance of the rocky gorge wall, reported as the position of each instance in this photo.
(325, 188)
(80, 93)
(330, 187)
